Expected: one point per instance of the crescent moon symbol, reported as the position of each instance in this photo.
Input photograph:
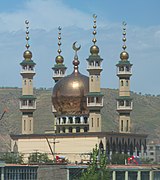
(76, 48)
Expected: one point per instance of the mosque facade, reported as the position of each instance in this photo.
(77, 101)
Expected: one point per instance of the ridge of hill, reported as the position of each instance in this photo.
(145, 117)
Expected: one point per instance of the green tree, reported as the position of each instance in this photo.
(38, 157)
(97, 170)
(10, 157)
(118, 158)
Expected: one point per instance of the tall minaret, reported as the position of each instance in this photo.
(95, 96)
(27, 100)
(124, 101)
(59, 68)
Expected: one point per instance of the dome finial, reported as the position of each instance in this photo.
(59, 40)
(27, 33)
(94, 40)
(59, 58)
(94, 50)
(124, 35)
(27, 54)
(76, 61)
(124, 55)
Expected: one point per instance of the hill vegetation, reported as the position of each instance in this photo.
(145, 116)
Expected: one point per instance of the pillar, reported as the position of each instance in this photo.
(114, 175)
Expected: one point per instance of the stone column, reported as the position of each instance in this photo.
(74, 120)
(74, 130)
(2, 173)
(82, 120)
(151, 175)
(61, 120)
(81, 129)
(114, 175)
(61, 130)
(139, 175)
(126, 175)
(142, 151)
(66, 130)
(67, 120)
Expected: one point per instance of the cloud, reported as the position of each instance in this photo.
(143, 45)
(44, 14)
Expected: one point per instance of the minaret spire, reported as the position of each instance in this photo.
(27, 100)
(124, 101)
(59, 68)
(124, 35)
(124, 54)
(94, 40)
(27, 54)
(59, 40)
(76, 61)
(95, 96)
(27, 33)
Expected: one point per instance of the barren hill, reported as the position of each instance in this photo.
(145, 116)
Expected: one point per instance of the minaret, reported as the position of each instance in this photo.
(59, 68)
(124, 101)
(95, 96)
(27, 100)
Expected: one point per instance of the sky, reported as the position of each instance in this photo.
(76, 19)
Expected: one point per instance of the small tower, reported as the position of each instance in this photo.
(124, 101)
(27, 100)
(59, 68)
(95, 96)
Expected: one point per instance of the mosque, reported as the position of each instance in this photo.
(77, 101)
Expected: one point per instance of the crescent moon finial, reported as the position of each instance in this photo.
(76, 48)
(124, 23)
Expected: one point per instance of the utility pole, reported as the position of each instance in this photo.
(54, 146)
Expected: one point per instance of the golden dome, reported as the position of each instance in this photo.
(94, 50)
(124, 56)
(69, 94)
(27, 55)
(59, 59)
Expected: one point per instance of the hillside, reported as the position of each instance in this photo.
(145, 116)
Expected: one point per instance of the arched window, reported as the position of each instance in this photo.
(25, 82)
(77, 129)
(71, 120)
(85, 129)
(64, 120)
(127, 68)
(122, 83)
(91, 78)
(63, 129)
(128, 103)
(70, 129)
(121, 125)
(24, 125)
(97, 122)
(121, 103)
(30, 125)
(85, 120)
(121, 68)
(77, 120)
(126, 82)
(127, 126)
